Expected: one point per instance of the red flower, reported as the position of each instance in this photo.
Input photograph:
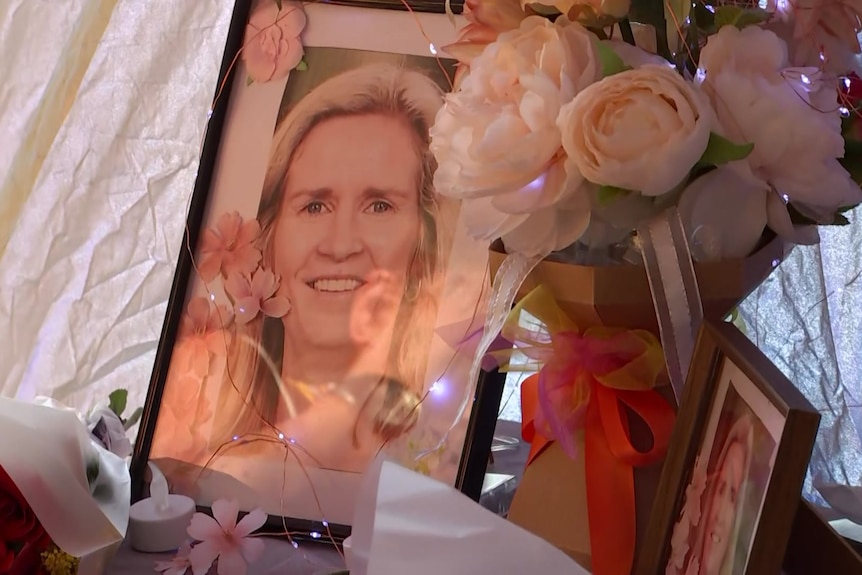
(18, 523)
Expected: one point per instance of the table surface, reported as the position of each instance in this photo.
(279, 557)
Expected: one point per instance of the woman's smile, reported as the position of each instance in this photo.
(336, 284)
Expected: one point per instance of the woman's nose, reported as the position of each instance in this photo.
(342, 239)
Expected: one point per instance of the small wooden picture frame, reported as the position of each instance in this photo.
(731, 483)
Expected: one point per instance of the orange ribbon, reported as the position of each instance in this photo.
(588, 381)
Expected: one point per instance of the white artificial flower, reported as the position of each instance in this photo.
(791, 117)
(641, 130)
(819, 33)
(496, 140)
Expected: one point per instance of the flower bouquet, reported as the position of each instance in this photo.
(642, 161)
(64, 498)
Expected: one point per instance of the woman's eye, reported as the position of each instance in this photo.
(380, 207)
(314, 207)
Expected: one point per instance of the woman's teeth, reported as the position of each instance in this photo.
(335, 285)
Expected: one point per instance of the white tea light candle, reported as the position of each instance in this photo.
(158, 523)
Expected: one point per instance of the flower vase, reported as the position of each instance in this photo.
(551, 500)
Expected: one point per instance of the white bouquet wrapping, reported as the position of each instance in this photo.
(65, 483)
(408, 523)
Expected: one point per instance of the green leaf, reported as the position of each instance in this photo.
(133, 419)
(610, 60)
(730, 15)
(117, 401)
(608, 194)
(302, 66)
(720, 151)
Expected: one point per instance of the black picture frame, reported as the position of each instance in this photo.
(489, 388)
(720, 344)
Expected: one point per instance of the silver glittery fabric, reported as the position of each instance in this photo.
(807, 318)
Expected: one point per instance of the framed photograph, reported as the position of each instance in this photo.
(325, 294)
(733, 477)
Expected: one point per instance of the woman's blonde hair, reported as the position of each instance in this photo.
(742, 434)
(380, 89)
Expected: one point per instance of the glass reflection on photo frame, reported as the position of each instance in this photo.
(329, 280)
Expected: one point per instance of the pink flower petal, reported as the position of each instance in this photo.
(260, 67)
(228, 226)
(238, 286)
(221, 317)
(276, 307)
(209, 266)
(230, 562)
(198, 311)
(253, 521)
(248, 233)
(292, 19)
(203, 528)
(244, 259)
(225, 513)
(247, 309)
(203, 555)
(251, 549)
(263, 284)
(211, 242)
(290, 54)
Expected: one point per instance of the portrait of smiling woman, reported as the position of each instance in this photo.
(351, 226)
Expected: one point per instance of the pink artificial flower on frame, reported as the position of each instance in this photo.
(179, 564)
(202, 332)
(229, 247)
(272, 40)
(221, 538)
(255, 294)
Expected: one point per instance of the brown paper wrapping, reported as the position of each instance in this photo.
(551, 499)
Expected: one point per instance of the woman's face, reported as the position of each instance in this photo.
(348, 228)
(722, 510)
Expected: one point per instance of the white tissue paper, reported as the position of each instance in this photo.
(46, 450)
(407, 523)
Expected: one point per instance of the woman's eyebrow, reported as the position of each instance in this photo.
(375, 192)
(313, 194)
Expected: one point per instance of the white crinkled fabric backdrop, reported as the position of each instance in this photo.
(102, 109)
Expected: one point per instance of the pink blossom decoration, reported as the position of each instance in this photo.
(255, 294)
(203, 332)
(272, 40)
(179, 564)
(688, 520)
(221, 538)
(229, 247)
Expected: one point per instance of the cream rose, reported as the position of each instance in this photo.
(789, 114)
(641, 130)
(496, 140)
